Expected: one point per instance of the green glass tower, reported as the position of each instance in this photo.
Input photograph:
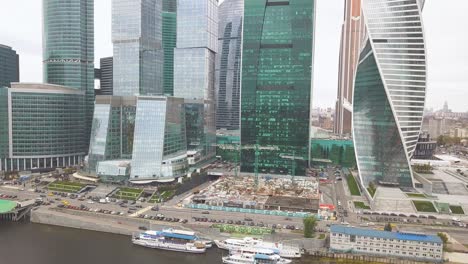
(68, 48)
(169, 39)
(276, 85)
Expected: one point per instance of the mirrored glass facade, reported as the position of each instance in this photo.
(169, 38)
(9, 66)
(159, 151)
(44, 127)
(277, 58)
(137, 40)
(228, 64)
(390, 89)
(112, 131)
(68, 43)
(194, 71)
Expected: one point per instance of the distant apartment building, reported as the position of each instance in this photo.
(460, 132)
(41, 126)
(436, 127)
(351, 35)
(228, 64)
(9, 66)
(405, 245)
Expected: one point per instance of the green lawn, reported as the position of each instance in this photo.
(321, 236)
(128, 193)
(416, 195)
(353, 186)
(424, 206)
(162, 197)
(63, 186)
(361, 205)
(456, 209)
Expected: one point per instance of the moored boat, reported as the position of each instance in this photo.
(253, 245)
(169, 239)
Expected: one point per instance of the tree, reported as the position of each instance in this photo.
(309, 226)
(388, 227)
(444, 238)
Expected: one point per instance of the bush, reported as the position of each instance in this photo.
(361, 205)
(309, 226)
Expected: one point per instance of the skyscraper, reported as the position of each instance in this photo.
(194, 66)
(278, 44)
(106, 70)
(137, 39)
(68, 48)
(9, 66)
(349, 53)
(389, 92)
(228, 64)
(169, 39)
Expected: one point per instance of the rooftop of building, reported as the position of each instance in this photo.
(5, 46)
(6, 206)
(384, 234)
(44, 87)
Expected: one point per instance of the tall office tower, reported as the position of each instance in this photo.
(169, 39)
(9, 66)
(68, 48)
(137, 39)
(41, 126)
(228, 64)
(350, 46)
(194, 66)
(160, 147)
(277, 61)
(389, 92)
(106, 76)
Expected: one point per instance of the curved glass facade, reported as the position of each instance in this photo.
(390, 89)
(68, 42)
(276, 84)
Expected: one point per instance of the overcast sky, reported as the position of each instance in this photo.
(444, 22)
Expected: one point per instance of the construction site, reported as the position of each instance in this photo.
(298, 194)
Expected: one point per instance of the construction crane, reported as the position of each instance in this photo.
(257, 149)
(293, 159)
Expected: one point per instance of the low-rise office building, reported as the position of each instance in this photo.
(386, 243)
(41, 126)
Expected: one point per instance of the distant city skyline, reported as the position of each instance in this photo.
(447, 55)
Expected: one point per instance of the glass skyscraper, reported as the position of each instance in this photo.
(389, 92)
(194, 71)
(9, 66)
(138, 55)
(351, 35)
(41, 126)
(68, 48)
(106, 76)
(169, 39)
(160, 148)
(228, 64)
(277, 59)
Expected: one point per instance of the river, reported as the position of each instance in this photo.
(28, 243)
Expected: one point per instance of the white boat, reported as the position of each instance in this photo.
(169, 239)
(254, 258)
(253, 245)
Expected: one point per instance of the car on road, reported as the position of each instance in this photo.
(248, 219)
(205, 212)
(288, 219)
(143, 228)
